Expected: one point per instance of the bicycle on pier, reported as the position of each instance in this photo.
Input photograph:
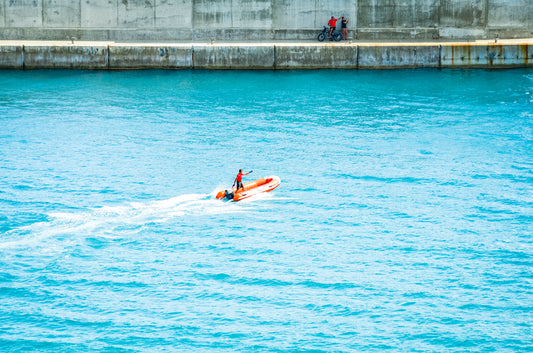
(336, 36)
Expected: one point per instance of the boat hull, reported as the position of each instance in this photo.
(250, 189)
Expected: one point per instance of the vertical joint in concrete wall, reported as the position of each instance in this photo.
(116, 12)
(354, 24)
(108, 58)
(486, 17)
(23, 57)
(316, 7)
(357, 57)
(232, 14)
(192, 20)
(440, 56)
(272, 19)
(275, 61)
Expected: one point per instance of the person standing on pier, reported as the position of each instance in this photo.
(332, 23)
(344, 23)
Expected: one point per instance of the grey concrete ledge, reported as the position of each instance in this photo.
(265, 55)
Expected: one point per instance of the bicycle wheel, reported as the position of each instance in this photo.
(321, 37)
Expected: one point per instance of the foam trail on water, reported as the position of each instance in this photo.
(112, 221)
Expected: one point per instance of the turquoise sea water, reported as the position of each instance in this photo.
(403, 221)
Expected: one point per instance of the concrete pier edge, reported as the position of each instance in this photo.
(26, 55)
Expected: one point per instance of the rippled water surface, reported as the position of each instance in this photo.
(403, 221)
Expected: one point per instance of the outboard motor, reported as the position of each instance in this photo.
(230, 194)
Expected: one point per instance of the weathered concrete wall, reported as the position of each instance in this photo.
(65, 56)
(234, 56)
(226, 20)
(109, 56)
(398, 56)
(487, 55)
(163, 56)
(327, 56)
(11, 56)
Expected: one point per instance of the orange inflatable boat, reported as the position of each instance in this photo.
(252, 188)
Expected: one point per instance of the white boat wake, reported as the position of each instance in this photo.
(112, 221)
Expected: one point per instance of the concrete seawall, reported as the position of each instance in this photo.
(282, 55)
(258, 20)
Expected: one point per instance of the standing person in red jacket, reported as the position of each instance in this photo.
(332, 23)
(238, 179)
